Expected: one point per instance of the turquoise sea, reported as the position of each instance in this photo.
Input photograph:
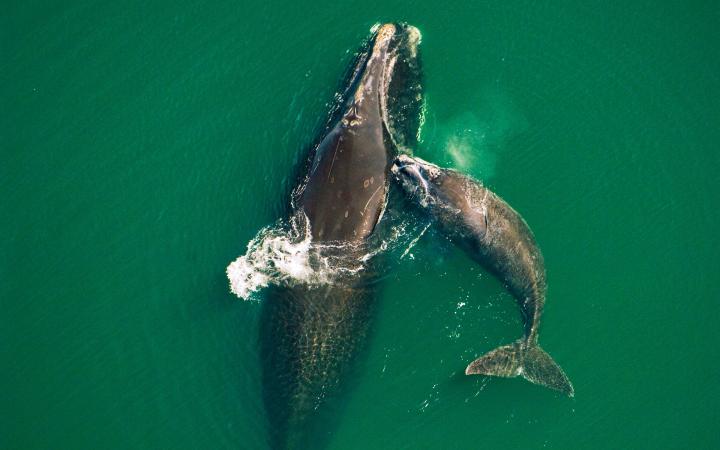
(143, 144)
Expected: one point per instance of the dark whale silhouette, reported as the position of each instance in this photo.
(495, 235)
(310, 335)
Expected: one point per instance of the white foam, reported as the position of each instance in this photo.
(271, 254)
(284, 255)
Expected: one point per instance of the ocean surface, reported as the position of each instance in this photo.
(144, 144)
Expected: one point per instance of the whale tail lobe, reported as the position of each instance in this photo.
(527, 360)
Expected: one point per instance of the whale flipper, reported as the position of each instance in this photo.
(530, 361)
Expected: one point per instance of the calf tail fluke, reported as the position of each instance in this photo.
(529, 361)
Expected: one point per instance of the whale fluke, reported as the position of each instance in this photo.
(529, 361)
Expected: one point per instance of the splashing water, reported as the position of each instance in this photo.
(271, 255)
(284, 255)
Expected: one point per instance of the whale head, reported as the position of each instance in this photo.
(418, 178)
(385, 82)
(344, 192)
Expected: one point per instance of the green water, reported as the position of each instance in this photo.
(144, 144)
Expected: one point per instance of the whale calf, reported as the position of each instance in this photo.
(311, 334)
(497, 237)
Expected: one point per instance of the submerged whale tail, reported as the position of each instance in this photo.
(524, 359)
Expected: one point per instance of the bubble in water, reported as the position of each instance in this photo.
(472, 140)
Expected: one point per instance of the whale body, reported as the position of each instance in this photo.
(311, 335)
(495, 235)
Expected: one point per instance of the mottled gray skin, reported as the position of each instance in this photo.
(310, 335)
(489, 229)
(497, 237)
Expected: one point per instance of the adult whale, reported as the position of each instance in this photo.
(495, 235)
(310, 334)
